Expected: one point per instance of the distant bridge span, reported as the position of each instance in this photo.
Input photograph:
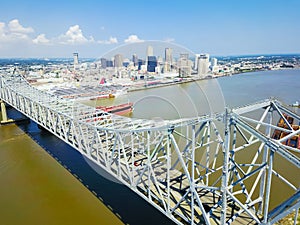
(218, 169)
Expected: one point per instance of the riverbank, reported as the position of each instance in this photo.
(132, 89)
(190, 80)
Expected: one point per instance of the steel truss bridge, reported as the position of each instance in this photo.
(217, 169)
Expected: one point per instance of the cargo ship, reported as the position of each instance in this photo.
(278, 134)
(118, 109)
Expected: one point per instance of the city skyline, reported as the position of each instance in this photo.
(59, 28)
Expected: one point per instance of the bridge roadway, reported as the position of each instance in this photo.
(191, 169)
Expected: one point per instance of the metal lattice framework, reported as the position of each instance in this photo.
(218, 169)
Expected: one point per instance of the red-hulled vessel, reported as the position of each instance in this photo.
(278, 134)
(118, 109)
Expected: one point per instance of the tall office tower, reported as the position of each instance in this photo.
(168, 59)
(149, 51)
(160, 60)
(152, 63)
(109, 63)
(118, 60)
(140, 64)
(203, 65)
(214, 65)
(75, 56)
(214, 62)
(135, 60)
(196, 61)
(103, 63)
(184, 65)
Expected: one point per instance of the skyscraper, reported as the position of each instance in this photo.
(214, 65)
(140, 63)
(196, 61)
(168, 59)
(149, 51)
(203, 65)
(103, 63)
(118, 60)
(75, 56)
(135, 60)
(214, 62)
(184, 65)
(109, 63)
(152, 63)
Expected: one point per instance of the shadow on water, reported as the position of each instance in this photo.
(123, 202)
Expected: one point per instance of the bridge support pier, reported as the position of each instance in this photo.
(4, 119)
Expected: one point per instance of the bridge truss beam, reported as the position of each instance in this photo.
(219, 169)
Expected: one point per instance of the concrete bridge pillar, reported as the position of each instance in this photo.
(4, 114)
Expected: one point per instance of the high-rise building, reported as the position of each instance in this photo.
(152, 63)
(109, 63)
(75, 56)
(214, 65)
(168, 55)
(203, 65)
(149, 51)
(168, 59)
(135, 60)
(118, 59)
(140, 63)
(214, 62)
(103, 63)
(184, 65)
(160, 60)
(196, 61)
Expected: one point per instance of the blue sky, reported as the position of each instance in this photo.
(229, 27)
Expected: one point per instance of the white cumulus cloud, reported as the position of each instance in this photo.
(74, 35)
(112, 40)
(133, 39)
(15, 27)
(41, 39)
(14, 31)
